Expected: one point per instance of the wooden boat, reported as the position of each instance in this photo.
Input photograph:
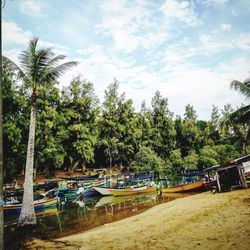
(102, 190)
(82, 178)
(182, 188)
(91, 191)
(40, 205)
(132, 190)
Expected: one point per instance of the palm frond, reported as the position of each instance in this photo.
(242, 115)
(12, 66)
(39, 66)
(241, 87)
(40, 61)
(50, 64)
(55, 72)
(55, 59)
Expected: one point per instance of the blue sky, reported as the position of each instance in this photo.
(188, 50)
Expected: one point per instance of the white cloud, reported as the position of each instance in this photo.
(56, 48)
(234, 13)
(13, 54)
(225, 27)
(215, 42)
(205, 38)
(33, 8)
(12, 33)
(130, 27)
(202, 87)
(242, 41)
(183, 11)
(179, 80)
(215, 3)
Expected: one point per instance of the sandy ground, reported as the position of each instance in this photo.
(202, 221)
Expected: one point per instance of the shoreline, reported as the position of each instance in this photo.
(201, 221)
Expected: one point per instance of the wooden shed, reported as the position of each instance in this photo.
(228, 176)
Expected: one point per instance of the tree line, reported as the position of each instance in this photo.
(73, 129)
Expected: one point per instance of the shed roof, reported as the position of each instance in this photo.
(228, 164)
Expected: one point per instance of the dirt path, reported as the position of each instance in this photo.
(202, 221)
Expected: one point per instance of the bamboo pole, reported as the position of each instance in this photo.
(218, 181)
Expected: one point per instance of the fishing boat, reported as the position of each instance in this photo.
(40, 205)
(82, 178)
(127, 191)
(185, 187)
(91, 191)
(103, 191)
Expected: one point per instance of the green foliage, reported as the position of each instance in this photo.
(163, 132)
(72, 130)
(176, 161)
(15, 124)
(226, 152)
(147, 160)
(191, 160)
(80, 111)
(208, 156)
(190, 113)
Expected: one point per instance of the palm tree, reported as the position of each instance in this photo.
(242, 115)
(38, 67)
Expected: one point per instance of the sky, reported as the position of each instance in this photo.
(188, 50)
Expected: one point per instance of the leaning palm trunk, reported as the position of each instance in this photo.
(39, 68)
(27, 215)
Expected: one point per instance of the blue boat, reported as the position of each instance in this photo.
(40, 205)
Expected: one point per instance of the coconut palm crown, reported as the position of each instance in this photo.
(38, 67)
(242, 115)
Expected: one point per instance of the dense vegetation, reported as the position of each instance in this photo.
(73, 129)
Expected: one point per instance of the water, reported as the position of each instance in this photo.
(91, 213)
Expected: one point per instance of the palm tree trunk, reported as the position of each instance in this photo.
(1, 143)
(28, 215)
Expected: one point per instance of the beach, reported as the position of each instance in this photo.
(202, 221)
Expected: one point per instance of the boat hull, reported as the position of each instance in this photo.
(41, 205)
(184, 188)
(132, 191)
(103, 191)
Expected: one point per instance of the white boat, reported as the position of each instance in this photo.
(126, 191)
(102, 190)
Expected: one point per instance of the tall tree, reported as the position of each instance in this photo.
(109, 133)
(226, 131)
(145, 127)
(80, 108)
(242, 115)
(163, 126)
(49, 149)
(38, 67)
(214, 125)
(15, 123)
(190, 113)
(129, 132)
(190, 131)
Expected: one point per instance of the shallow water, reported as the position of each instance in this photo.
(91, 213)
